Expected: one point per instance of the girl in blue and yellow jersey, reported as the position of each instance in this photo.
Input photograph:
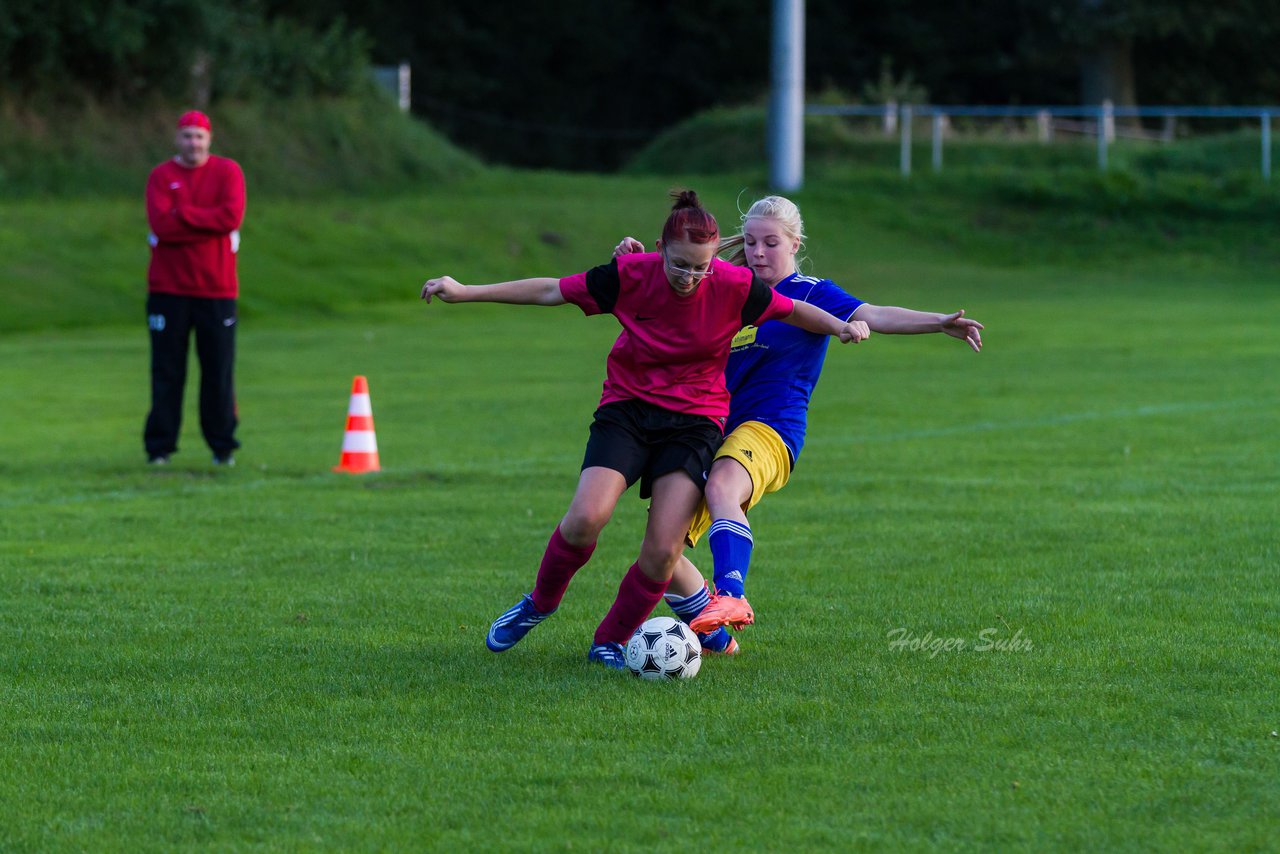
(771, 374)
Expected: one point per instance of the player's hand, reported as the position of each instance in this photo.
(446, 288)
(958, 326)
(853, 332)
(627, 246)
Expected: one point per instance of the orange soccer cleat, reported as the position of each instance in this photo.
(729, 611)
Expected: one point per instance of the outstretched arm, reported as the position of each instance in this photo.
(892, 320)
(542, 291)
(813, 319)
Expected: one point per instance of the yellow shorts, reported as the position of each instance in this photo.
(764, 455)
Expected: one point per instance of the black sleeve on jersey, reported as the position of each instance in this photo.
(758, 299)
(603, 284)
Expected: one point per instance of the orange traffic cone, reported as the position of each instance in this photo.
(359, 445)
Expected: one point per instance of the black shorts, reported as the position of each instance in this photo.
(643, 442)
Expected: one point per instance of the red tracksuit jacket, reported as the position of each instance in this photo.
(195, 215)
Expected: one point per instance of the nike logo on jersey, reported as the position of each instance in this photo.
(642, 318)
(175, 185)
(230, 321)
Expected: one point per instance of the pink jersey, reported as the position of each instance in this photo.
(673, 349)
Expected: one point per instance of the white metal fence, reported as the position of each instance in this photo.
(1099, 121)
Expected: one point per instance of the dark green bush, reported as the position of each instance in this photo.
(147, 49)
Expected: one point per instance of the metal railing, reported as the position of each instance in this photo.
(1103, 123)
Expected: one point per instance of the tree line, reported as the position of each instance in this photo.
(584, 83)
(131, 51)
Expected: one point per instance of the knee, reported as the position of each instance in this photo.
(723, 496)
(659, 561)
(582, 528)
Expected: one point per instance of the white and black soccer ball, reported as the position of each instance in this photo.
(664, 648)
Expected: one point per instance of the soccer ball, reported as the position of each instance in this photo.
(664, 648)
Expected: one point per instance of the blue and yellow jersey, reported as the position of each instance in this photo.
(772, 369)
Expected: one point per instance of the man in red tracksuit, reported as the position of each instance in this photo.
(195, 204)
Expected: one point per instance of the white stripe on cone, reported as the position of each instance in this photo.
(360, 405)
(359, 442)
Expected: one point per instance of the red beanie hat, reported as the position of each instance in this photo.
(197, 119)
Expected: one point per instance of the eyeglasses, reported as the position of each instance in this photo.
(682, 273)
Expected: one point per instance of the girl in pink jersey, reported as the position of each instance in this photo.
(662, 412)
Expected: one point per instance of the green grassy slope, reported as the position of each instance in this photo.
(72, 233)
(74, 261)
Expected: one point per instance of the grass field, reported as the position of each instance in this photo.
(276, 657)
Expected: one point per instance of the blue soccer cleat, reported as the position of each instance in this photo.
(514, 623)
(609, 654)
(719, 642)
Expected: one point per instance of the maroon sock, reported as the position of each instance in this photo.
(638, 595)
(559, 563)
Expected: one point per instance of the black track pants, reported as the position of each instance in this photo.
(171, 318)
